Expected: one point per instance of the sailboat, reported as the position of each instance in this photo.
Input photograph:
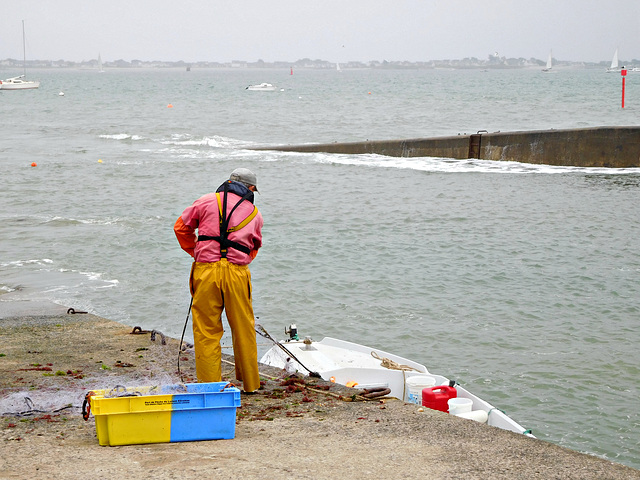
(20, 82)
(614, 64)
(548, 67)
(100, 69)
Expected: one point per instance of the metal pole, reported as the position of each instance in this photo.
(623, 72)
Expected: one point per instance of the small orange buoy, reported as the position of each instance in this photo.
(332, 379)
(34, 164)
(169, 106)
(351, 384)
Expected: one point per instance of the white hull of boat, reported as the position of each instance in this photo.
(343, 362)
(262, 87)
(16, 83)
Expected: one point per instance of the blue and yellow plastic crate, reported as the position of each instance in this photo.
(170, 413)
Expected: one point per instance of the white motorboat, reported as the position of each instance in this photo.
(263, 87)
(368, 368)
(20, 82)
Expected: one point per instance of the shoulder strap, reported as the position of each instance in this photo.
(246, 221)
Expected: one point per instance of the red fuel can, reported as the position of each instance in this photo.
(436, 398)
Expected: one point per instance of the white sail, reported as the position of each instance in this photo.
(549, 63)
(614, 63)
(100, 69)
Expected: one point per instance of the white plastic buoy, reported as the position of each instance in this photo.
(61, 94)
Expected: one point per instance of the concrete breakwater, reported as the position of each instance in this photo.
(612, 147)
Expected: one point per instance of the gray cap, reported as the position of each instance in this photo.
(244, 175)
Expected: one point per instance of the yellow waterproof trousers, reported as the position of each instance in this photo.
(214, 287)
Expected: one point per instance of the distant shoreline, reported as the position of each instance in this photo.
(493, 62)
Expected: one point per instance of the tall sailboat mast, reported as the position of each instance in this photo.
(20, 82)
(24, 52)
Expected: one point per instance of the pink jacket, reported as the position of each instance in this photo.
(203, 215)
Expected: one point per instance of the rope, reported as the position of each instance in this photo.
(324, 392)
(391, 365)
(121, 391)
(186, 321)
(31, 410)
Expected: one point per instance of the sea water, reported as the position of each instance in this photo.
(520, 281)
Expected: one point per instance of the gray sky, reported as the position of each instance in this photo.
(333, 30)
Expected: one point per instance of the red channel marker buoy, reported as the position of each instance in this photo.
(34, 164)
